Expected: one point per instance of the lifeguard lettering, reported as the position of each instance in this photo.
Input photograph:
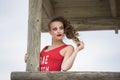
(45, 68)
(44, 61)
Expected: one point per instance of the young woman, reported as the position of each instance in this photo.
(59, 56)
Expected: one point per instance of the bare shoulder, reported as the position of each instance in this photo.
(69, 49)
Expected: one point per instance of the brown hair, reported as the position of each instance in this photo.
(70, 32)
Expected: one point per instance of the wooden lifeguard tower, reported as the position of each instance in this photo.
(85, 15)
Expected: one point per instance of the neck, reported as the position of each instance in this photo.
(57, 42)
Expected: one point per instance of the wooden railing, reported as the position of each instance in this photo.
(65, 76)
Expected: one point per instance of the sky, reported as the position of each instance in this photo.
(101, 52)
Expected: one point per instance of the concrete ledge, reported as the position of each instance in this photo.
(65, 76)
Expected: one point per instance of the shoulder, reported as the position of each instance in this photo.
(45, 47)
(69, 49)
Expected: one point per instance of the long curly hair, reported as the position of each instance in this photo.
(69, 30)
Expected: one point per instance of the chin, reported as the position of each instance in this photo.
(59, 38)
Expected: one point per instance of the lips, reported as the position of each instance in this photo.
(59, 35)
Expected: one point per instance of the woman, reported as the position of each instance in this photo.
(59, 56)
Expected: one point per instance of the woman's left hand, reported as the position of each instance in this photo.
(80, 45)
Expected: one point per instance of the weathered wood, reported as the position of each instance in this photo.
(83, 12)
(34, 29)
(93, 27)
(80, 3)
(65, 76)
(48, 8)
(82, 8)
(88, 24)
(113, 8)
(103, 10)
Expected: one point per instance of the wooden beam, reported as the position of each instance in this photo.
(90, 27)
(88, 24)
(65, 76)
(93, 27)
(97, 24)
(34, 30)
(48, 8)
(113, 7)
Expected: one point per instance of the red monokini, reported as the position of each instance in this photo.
(51, 60)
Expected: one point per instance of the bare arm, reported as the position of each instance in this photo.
(70, 56)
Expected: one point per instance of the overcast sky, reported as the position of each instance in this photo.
(101, 51)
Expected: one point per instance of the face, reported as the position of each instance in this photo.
(57, 30)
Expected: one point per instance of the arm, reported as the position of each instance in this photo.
(70, 56)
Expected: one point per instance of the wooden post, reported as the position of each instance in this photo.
(34, 30)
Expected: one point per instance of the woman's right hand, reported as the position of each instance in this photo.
(26, 57)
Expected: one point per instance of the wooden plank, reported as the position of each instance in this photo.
(83, 12)
(65, 76)
(79, 3)
(94, 27)
(44, 16)
(113, 8)
(48, 8)
(76, 0)
(100, 20)
(34, 29)
(87, 24)
(90, 27)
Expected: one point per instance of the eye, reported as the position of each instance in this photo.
(54, 29)
(61, 27)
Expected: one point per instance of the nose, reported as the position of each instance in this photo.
(58, 30)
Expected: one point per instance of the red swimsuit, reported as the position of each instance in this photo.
(51, 60)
